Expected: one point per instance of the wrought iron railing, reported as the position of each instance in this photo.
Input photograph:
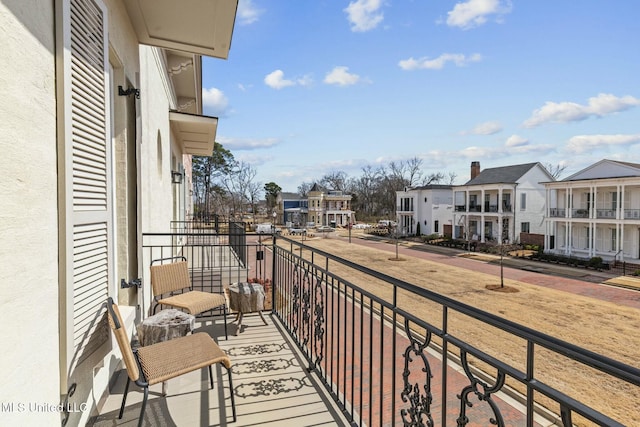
(387, 363)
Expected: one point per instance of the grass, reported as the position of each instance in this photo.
(590, 323)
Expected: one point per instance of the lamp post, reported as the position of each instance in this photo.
(273, 227)
(349, 225)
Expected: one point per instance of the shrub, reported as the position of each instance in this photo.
(636, 273)
(595, 262)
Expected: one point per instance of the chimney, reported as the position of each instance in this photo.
(475, 169)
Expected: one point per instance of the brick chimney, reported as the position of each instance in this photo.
(475, 169)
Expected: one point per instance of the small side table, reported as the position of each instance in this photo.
(163, 326)
(246, 298)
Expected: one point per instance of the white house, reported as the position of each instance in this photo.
(329, 207)
(424, 210)
(500, 203)
(596, 212)
(101, 110)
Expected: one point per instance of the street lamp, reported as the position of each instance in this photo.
(349, 225)
(273, 227)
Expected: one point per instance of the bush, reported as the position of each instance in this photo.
(595, 262)
(636, 273)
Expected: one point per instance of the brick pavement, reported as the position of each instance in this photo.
(582, 282)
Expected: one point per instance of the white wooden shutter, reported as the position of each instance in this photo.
(85, 171)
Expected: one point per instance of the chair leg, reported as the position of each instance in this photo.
(124, 398)
(233, 400)
(144, 405)
(224, 309)
(211, 377)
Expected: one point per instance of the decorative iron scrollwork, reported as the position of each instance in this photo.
(318, 321)
(420, 398)
(482, 390)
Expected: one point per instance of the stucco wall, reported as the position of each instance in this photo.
(28, 214)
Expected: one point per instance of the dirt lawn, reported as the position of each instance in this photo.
(600, 326)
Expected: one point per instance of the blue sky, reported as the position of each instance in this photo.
(312, 87)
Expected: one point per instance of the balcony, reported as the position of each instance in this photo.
(338, 352)
(557, 212)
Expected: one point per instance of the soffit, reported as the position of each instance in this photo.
(203, 27)
(196, 134)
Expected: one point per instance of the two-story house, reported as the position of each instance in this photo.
(330, 207)
(291, 209)
(595, 212)
(497, 204)
(424, 210)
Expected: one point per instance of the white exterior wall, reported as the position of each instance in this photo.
(29, 300)
(438, 207)
(536, 202)
(28, 210)
(441, 202)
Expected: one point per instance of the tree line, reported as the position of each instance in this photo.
(224, 186)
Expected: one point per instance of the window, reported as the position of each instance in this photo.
(524, 227)
(523, 203)
(436, 226)
(425, 200)
(614, 237)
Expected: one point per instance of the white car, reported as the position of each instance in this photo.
(324, 229)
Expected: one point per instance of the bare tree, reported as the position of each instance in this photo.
(556, 170)
(334, 181)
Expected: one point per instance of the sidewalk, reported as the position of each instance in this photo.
(602, 285)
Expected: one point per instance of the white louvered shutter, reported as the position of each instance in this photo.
(85, 198)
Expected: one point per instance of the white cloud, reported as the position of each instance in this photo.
(564, 112)
(276, 80)
(364, 15)
(340, 76)
(486, 128)
(438, 63)
(473, 13)
(247, 143)
(247, 12)
(586, 143)
(516, 141)
(215, 102)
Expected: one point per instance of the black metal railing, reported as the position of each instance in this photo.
(215, 260)
(387, 363)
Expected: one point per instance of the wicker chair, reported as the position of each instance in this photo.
(172, 279)
(156, 363)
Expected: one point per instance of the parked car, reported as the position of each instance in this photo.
(325, 229)
(361, 226)
(267, 229)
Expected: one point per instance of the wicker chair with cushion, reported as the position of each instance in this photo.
(172, 279)
(160, 362)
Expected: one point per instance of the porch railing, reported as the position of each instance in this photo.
(387, 363)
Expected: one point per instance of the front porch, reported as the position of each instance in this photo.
(272, 386)
(348, 345)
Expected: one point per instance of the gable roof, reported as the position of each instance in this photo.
(606, 169)
(502, 175)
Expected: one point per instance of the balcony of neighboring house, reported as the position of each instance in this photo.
(557, 212)
(355, 348)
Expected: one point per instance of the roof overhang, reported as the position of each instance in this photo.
(196, 134)
(203, 27)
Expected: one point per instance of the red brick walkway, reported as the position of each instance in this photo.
(617, 295)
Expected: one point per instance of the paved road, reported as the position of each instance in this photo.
(568, 279)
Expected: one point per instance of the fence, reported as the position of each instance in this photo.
(387, 363)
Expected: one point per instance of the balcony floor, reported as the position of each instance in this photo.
(271, 384)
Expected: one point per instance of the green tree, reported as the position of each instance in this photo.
(207, 170)
(271, 190)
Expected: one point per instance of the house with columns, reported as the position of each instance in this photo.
(595, 212)
(329, 207)
(497, 204)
